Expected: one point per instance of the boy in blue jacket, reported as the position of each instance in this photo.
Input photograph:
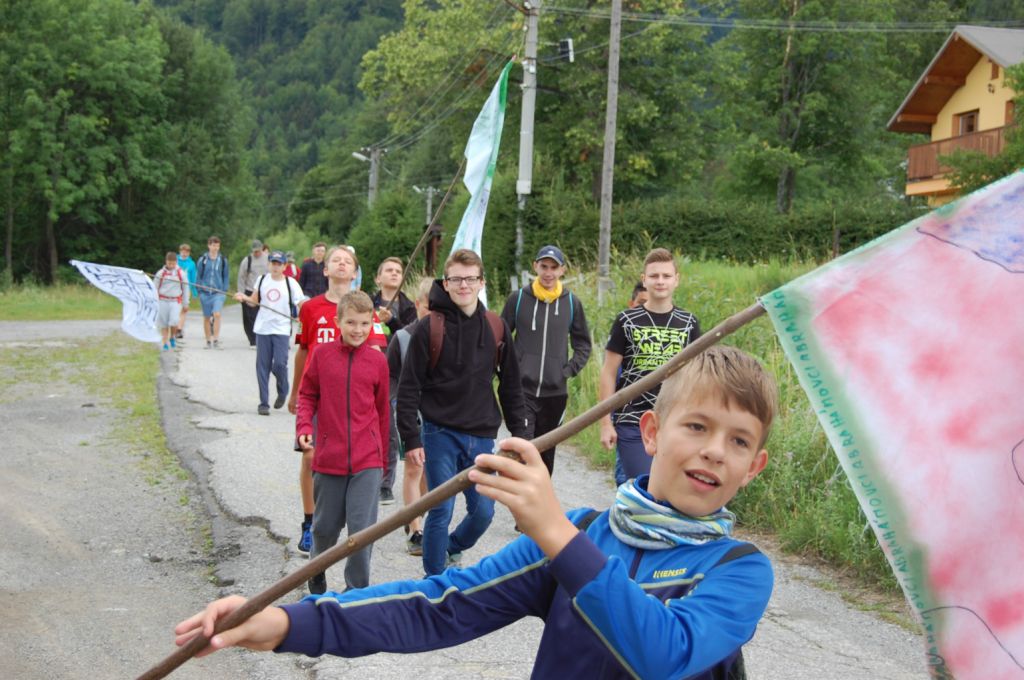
(655, 587)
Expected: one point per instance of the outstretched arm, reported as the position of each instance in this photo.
(263, 631)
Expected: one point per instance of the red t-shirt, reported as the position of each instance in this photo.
(318, 324)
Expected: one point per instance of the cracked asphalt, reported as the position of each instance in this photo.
(244, 484)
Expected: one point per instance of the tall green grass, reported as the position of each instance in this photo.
(802, 497)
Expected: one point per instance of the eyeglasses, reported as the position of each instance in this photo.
(459, 280)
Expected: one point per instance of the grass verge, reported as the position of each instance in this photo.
(802, 497)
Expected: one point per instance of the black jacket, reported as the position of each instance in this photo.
(543, 332)
(403, 312)
(311, 278)
(458, 392)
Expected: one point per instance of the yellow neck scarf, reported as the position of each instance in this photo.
(544, 295)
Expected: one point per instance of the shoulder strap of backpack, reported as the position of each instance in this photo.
(288, 285)
(259, 286)
(572, 309)
(498, 330)
(403, 343)
(519, 299)
(436, 337)
(583, 522)
(736, 552)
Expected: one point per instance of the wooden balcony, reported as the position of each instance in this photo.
(923, 159)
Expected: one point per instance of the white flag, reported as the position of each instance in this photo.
(134, 289)
(481, 157)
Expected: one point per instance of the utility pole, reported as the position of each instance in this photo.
(524, 185)
(604, 243)
(429, 191)
(375, 154)
(372, 156)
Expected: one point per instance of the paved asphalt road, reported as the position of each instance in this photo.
(245, 475)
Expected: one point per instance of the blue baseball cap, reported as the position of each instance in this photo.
(277, 256)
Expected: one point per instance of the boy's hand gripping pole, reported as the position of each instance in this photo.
(453, 486)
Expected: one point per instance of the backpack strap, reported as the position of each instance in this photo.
(583, 522)
(259, 286)
(437, 336)
(519, 299)
(736, 552)
(498, 331)
(291, 305)
(572, 309)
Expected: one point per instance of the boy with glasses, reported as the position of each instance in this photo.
(451, 387)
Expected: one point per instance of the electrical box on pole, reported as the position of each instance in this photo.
(565, 50)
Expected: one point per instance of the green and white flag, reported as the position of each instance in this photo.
(481, 156)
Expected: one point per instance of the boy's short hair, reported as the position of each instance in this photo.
(383, 262)
(423, 288)
(355, 301)
(319, 244)
(467, 257)
(349, 249)
(660, 255)
(213, 239)
(637, 289)
(171, 255)
(729, 374)
(185, 246)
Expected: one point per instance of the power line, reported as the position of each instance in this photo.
(821, 26)
(455, 105)
(452, 75)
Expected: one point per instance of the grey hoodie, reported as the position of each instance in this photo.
(543, 332)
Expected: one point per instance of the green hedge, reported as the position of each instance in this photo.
(703, 229)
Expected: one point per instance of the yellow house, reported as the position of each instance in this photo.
(961, 101)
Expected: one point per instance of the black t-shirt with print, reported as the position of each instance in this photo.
(646, 340)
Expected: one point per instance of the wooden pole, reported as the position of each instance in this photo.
(450, 488)
(428, 232)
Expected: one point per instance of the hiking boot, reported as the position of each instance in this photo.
(318, 584)
(279, 402)
(179, 335)
(306, 542)
(414, 544)
(263, 410)
(453, 560)
(387, 497)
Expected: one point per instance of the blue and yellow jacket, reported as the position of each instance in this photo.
(610, 610)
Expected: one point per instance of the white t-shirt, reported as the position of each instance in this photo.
(273, 294)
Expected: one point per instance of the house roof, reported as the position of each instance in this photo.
(948, 71)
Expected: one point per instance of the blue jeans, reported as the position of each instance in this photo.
(631, 459)
(272, 357)
(449, 452)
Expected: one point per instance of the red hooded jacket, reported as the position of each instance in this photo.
(346, 388)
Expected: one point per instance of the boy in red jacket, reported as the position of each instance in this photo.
(352, 434)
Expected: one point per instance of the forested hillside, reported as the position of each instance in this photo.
(746, 128)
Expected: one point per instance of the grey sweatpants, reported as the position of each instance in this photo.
(341, 500)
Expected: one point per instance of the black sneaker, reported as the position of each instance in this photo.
(318, 584)
(414, 544)
(263, 410)
(387, 497)
(279, 402)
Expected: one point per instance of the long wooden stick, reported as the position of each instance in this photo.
(450, 488)
(426, 234)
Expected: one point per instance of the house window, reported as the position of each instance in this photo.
(965, 123)
(995, 70)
